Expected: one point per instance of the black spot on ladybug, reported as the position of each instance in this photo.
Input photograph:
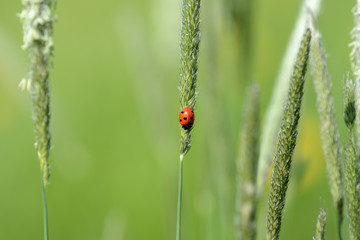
(180, 120)
(191, 118)
(182, 111)
(185, 118)
(192, 111)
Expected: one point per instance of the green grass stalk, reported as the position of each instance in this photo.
(245, 221)
(178, 220)
(43, 195)
(286, 141)
(326, 110)
(351, 178)
(355, 63)
(37, 19)
(320, 226)
(189, 61)
(275, 108)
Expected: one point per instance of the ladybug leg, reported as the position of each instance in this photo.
(187, 126)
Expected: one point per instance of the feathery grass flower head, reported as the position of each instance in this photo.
(275, 108)
(37, 19)
(286, 141)
(326, 111)
(189, 61)
(355, 64)
(351, 164)
(320, 226)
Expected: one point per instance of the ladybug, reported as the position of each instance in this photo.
(186, 118)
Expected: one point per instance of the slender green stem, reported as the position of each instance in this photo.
(178, 221)
(46, 231)
(339, 227)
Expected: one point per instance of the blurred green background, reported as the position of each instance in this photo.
(115, 133)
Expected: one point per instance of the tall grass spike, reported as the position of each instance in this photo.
(247, 167)
(326, 110)
(37, 19)
(275, 108)
(189, 62)
(355, 63)
(351, 178)
(286, 141)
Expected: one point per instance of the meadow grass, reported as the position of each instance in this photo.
(286, 141)
(355, 63)
(326, 111)
(245, 222)
(37, 19)
(38, 41)
(189, 61)
(351, 178)
(275, 108)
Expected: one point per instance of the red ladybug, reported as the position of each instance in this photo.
(186, 117)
